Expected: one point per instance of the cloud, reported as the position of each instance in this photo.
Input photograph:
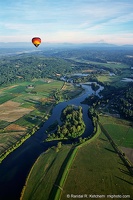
(71, 20)
(73, 37)
(83, 37)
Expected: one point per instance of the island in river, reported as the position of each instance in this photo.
(32, 147)
(72, 126)
(96, 164)
(67, 169)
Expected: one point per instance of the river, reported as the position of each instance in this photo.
(15, 168)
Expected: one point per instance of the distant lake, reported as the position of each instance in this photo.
(127, 80)
(80, 74)
(111, 74)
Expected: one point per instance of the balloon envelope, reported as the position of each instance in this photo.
(36, 41)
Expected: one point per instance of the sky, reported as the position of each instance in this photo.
(70, 21)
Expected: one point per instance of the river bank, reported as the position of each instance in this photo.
(53, 188)
(15, 168)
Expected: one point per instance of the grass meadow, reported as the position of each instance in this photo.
(27, 104)
(108, 65)
(122, 71)
(44, 173)
(24, 107)
(120, 130)
(5, 97)
(97, 169)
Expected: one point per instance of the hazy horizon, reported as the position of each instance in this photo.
(60, 21)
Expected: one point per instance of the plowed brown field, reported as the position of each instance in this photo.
(15, 127)
(11, 111)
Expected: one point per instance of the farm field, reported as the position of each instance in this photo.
(9, 138)
(121, 131)
(22, 109)
(97, 169)
(69, 91)
(122, 69)
(122, 135)
(40, 185)
(101, 165)
(26, 105)
(11, 111)
(114, 80)
(108, 64)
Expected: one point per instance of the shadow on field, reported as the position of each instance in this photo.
(121, 163)
(32, 101)
(37, 104)
(125, 172)
(110, 150)
(40, 182)
(57, 181)
(103, 139)
(124, 180)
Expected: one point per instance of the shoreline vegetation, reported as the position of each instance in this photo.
(64, 170)
(33, 130)
(72, 126)
(22, 140)
(39, 87)
(62, 180)
(62, 176)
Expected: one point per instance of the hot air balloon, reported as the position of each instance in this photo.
(36, 41)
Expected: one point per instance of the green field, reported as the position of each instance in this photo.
(5, 97)
(16, 90)
(114, 80)
(3, 124)
(48, 87)
(121, 131)
(21, 93)
(38, 96)
(98, 170)
(108, 65)
(106, 78)
(121, 71)
(123, 136)
(44, 173)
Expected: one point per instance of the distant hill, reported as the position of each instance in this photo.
(65, 44)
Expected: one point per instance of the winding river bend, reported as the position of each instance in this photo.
(15, 168)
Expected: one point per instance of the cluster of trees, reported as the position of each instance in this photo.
(93, 114)
(72, 126)
(125, 103)
(58, 147)
(119, 100)
(98, 54)
(91, 100)
(90, 78)
(94, 86)
(24, 68)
